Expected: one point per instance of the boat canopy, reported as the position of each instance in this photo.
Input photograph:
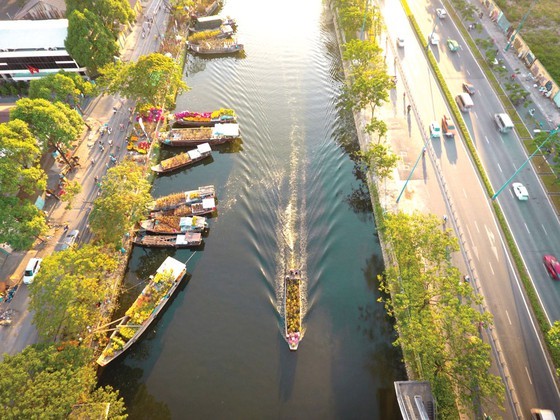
(204, 148)
(188, 237)
(209, 203)
(194, 154)
(225, 130)
(174, 265)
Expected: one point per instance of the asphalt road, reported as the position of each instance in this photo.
(501, 154)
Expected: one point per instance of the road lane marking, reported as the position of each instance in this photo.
(545, 232)
(487, 141)
(492, 240)
(473, 246)
(465, 193)
(500, 168)
(529, 376)
(476, 225)
(491, 268)
(527, 227)
(509, 320)
(468, 72)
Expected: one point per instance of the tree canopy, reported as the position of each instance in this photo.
(148, 81)
(89, 41)
(62, 86)
(44, 381)
(113, 13)
(125, 194)
(66, 292)
(21, 222)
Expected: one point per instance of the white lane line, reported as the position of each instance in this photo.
(508, 318)
(476, 226)
(465, 193)
(468, 72)
(545, 232)
(487, 141)
(529, 376)
(491, 269)
(499, 167)
(527, 227)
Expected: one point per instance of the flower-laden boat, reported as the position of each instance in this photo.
(183, 240)
(172, 225)
(184, 137)
(203, 119)
(172, 201)
(181, 160)
(206, 207)
(292, 308)
(215, 46)
(224, 31)
(206, 23)
(145, 309)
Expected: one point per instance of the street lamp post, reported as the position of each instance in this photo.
(411, 172)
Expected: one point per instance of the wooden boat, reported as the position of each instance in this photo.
(182, 137)
(171, 201)
(224, 31)
(207, 206)
(181, 160)
(211, 22)
(292, 308)
(183, 240)
(215, 46)
(203, 119)
(172, 225)
(145, 309)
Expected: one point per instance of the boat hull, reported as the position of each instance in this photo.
(196, 142)
(292, 309)
(159, 169)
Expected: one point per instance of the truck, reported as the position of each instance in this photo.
(448, 127)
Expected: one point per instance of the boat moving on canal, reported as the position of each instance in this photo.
(181, 160)
(292, 308)
(206, 207)
(215, 46)
(202, 119)
(184, 137)
(144, 310)
(172, 201)
(172, 225)
(184, 240)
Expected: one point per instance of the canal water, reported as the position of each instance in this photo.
(290, 196)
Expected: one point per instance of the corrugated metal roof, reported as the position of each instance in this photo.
(30, 34)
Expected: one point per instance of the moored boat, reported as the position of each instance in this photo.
(183, 240)
(145, 309)
(211, 22)
(171, 201)
(171, 225)
(215, 46)
(218, 134)
(203, 119)
(206, 207)
(181, 160)
(292, 308)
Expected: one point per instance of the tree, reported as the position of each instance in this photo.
(379, 159)
(72, 188)
(352, 18)
(113, 13)
(44, 381)
(21, 222)
(19, 156)
(54, 124)
(62, 86)
(362, 55)
(125, 195)
(89, 41)
(147, 81)
(367, 88)
(377, 126)
(66, 292)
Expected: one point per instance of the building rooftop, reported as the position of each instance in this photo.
(33, 34)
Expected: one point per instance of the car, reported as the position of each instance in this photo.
(435, 130)
(400, 42)
(448, 127)
(434, 38)
(31, 270)
(452, 45)
(69, 240)
(552, 265)
(469, 88)
(442, 13)
(542, 414)
(520, 191)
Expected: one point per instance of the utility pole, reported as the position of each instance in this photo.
(520, 26)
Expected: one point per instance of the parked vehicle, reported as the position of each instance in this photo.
(400, 42)
(435, 130)
(448, 127)
(434, 38)
(464, 102)
(31, 270)
(69, 240)
(469, 88)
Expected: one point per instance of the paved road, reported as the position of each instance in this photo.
(483, 242)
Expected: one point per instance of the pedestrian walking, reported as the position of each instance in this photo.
(121, 126)
(110, 142)
(408, 108)
(92, 162)
(513, 76)
(109, 130)
(96, 178)
(444, 219)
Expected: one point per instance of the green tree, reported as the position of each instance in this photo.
(362, 55)
(21, 222)
(147, 81)
(377, 126)
(113, 13)
(352, 18)
(72, 188)
(368, 88)
(379, 159)
(44, 381)
(62, 86)
(54, 124)
(65, 293)
(89, 41)
(125, 195)
(19, 157)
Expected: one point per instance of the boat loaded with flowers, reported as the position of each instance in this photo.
(181, 160)
(184, 137)
(215, 46)
(206, 207)
(172, 225)
(145, 309)
(172, 201)
(184, 240)
(202, 119)
(292, 308)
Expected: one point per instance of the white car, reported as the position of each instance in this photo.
(520, 191)
(31, 270)
(434, 38)
(442, 13)
(400, 42)
(435, 130)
